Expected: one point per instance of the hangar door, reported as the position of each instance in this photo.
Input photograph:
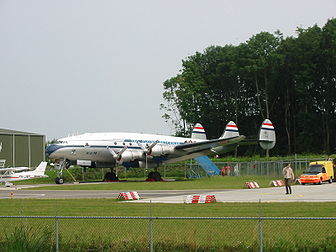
(21, 149)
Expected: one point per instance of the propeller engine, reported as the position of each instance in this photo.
(126, 155)
(160, 150)
(156, 150)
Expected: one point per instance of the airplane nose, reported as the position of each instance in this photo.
(52, 148)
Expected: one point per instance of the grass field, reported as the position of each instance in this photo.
(218, 182)
(108, 207)
(168, 235)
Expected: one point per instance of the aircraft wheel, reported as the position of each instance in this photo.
(59, 180)
(150, 175)
(157, 176)
(154, 176)
(110, 176)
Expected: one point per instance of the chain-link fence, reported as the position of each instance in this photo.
(191, 169)
(78, 233)
(252, 168)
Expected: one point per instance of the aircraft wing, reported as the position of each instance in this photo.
(208, 145)
(190, 150)
(14, 169)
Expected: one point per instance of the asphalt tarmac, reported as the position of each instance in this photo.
(306, 193)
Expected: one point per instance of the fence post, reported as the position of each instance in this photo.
(56, 234)
(260, 235)
(260, 225)
(151, 231)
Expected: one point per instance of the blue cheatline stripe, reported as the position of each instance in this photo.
(120, 146)
(198, 132)
(267, 129)
(96, 146)
(232, 130)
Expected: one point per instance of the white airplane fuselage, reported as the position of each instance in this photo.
(20, 176)
(94, 147)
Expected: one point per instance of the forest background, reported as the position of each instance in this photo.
(291, 81)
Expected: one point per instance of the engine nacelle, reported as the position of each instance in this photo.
(160, 150)
(142, 164)
(131, 155)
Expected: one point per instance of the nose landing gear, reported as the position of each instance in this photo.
(63, 164)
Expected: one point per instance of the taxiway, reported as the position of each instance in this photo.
(306, 193)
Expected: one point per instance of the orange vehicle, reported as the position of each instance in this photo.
(318, 172)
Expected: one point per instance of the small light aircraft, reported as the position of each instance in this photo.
(20, 173)
(105, 150)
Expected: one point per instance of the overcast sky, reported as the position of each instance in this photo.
(70, 66)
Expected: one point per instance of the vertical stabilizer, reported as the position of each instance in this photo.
(267, 137)
(40, 169)
(231, 130)
(198, 132)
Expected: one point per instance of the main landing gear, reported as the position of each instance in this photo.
(110, 176)
(154, 176)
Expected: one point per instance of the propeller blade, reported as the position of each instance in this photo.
(118, 155)
(114, 154)
(148, 150)
(150, 147)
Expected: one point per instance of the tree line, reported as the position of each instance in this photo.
(290, 80)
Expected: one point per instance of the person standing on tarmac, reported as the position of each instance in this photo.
(288, 177)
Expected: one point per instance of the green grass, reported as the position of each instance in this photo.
(108, 207)
(169, 235)
(218, 182)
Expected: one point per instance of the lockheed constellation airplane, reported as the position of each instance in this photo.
(100, 150)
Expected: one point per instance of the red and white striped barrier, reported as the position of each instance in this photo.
(251, 185)
(128, 196)
(200, 199)
(277, 183)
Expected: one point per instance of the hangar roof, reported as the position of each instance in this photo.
(16, 132)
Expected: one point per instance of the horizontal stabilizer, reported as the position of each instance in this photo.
(198, 132)
(231, 130)
(267, 137)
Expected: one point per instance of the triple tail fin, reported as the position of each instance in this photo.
(40, 169)
(198, 132)
(231, 130)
